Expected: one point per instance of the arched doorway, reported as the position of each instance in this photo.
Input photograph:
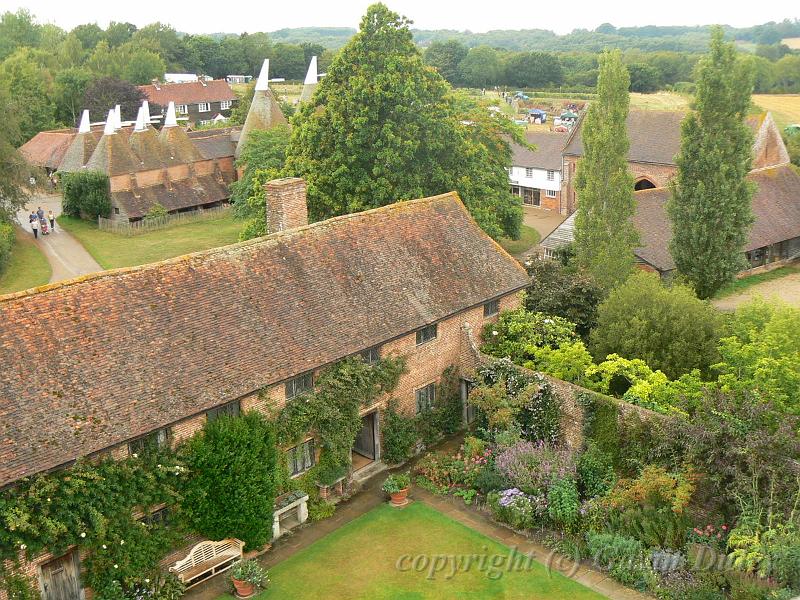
(643, 184)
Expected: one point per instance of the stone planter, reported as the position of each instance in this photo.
(400, 498)
(244, 589)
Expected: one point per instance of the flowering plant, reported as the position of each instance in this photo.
(715, 537)
(518, 509)
(532, 466)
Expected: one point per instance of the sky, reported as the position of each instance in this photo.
(203, 16)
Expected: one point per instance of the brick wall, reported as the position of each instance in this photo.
(286, 204)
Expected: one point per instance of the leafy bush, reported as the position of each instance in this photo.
(395, 483)
(518, 333)
(623, 557)
(531, 467)
(230, 490)
(399, 435)
(19, 587)
(518, 509)
(317, 511)
(489, 480)
(667, 327)
(156, 211)
(563, 502)
(595, 471)
(6, 244)
(86, 194)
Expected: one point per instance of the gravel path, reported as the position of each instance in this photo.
(786, 289)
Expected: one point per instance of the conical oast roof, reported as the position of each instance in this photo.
(264, 113)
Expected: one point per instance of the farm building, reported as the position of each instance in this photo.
(256, 323)
(199, 102)
(655, 140)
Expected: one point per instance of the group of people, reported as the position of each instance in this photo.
(37, 221)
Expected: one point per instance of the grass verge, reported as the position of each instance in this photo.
(28, 266)
(529, 237)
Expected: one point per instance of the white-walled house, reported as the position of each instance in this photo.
(535, 175)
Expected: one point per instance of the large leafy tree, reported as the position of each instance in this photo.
(604, 233)
(103, 94)
(445, 57)
(13, 168)
(383, 127)
(711, 198)
(30, 87)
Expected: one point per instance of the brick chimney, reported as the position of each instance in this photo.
(286, 204)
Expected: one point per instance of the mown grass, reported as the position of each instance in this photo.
(112, 250)
(528, 238)
(740, 285)
(360, 560)
(28, 266)
(785, 108)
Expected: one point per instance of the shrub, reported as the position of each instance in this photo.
(157, 211)
(399, 435)
(563, 502)
(518, 509)
(667, 327)
(517, 334)
(531, 467)
(561, 292)
(317, 511)
(230, 490)
(595, 472)
(6, 244)
(86, 194)
(623, 557)
(490, 480)
(251, 572)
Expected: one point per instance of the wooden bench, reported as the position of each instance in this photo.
(207, 559)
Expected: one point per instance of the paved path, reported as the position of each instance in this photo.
(67, 257)
(785, 289)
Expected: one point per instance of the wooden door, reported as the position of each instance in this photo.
(60, 580)
(365, 441)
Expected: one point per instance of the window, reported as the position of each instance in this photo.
(225, 104)
(550, 193)
(204, 122)
(301, 458)
(491, 308)
(231, 409)
(426, 334)
(551, 175)
(426, 396)
(528, 172)
(181, 109)
(371, 355)
(510, 170)
(298, 385)
(151, 441)
(116, 210)
(158, 517)
(203, 106)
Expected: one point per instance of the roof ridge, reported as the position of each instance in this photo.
(222, 250)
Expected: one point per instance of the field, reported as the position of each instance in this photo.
(370, 557)
(785, 108)
(793, 43)
(27, 268)
(661, 101)
(113, 251)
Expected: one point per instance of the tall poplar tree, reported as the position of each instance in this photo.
(604, 233)
(382, 127)
(710, 205)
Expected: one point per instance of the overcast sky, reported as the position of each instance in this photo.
(201, 16)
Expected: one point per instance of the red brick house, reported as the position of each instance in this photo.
(156, 350)
(200, 101)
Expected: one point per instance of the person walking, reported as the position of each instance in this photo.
(40, 213)
(52, 218)
(35, 227)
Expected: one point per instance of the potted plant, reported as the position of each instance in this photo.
(247, 575)
(397, 487)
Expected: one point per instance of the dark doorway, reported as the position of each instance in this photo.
(60, 579)
(644, 184)
(365, 447)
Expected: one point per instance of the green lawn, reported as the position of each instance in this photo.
(112, 250)
(360, 559)
(528, 238)
(27, 268)
(740, 285)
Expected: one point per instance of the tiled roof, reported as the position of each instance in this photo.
(264, 113)
(183, 193)
(776, 207)
(113, 155)
(215, 143)
(189, 93)
(47, 148)
(136, 349)
(547, 155)
(80, 151)
(655, 135)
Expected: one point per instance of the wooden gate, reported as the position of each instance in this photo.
(365, 441)
(60, 580)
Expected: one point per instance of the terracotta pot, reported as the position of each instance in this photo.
(244, 589)
(399, 498)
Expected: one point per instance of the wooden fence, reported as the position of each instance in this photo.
(153, 224)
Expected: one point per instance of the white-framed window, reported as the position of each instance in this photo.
(551, 175)
(204, 122)
(156, 439)
(425, 397)
(550, 193)
(181, 109)
(203, 106)
(225, 104)
(528, 172)
(426, 334)
(298, 385)
(301, 458)
(232, 409)
(510, 170)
